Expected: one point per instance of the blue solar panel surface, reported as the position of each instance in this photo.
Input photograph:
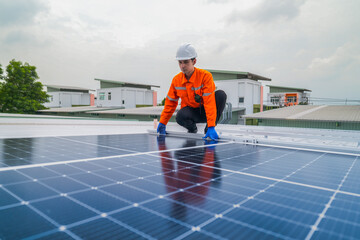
(142, 187)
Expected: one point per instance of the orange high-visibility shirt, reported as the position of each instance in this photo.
(201, 83)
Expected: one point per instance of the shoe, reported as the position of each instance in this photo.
(194, 130)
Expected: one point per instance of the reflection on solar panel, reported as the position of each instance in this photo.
(139, 186)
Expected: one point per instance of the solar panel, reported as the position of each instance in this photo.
(142, 187)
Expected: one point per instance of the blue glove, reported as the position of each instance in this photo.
(161, 128)
(211, 133)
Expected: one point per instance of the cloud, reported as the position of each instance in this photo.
(222, 47)
(295, 43)
(268, 11)
(344, 56)
(217, 1)
(16, 37)
(20, 37)
(334, 73)
(270, 69)
(20, 12)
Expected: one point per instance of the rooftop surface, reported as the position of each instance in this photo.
(77, 109)
(156, 111)
(312, 112)
(138, 111)
(27, 126)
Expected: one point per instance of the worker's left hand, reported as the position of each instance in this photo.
(211, 133)
(161, 129)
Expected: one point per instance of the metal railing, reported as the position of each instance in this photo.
(227, 114)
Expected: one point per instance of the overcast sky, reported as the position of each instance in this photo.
(313, 44)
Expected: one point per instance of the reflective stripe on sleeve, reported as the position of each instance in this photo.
(192, 88)
(207, 94)
(172, 99)
(180, 88)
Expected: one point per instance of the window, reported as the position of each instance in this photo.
(241, 99)
(109, 96)
(291, 99)
(275, 100)
(102, 96)
(123, 101)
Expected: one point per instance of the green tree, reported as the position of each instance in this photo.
(21, 92)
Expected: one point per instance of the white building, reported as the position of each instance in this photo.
(286, 96)
(125, 94)
(68, 96)
(243, 91)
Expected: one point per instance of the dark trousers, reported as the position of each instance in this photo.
(188, 116)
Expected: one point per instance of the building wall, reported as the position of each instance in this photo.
(241, 93)
(92, 99)
(124, 97)
(67, 99)
(54, 100)
(303, 97)
(108, 97)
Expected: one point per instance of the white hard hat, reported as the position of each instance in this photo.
(186, 51)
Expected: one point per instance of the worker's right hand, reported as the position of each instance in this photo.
(161, 129)
(211, 133)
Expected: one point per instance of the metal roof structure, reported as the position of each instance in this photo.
(290, 88)
(346, 113)
(30, 126)
(127, 84)
(240, 75)
(67, 88)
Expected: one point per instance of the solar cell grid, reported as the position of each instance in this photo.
(16, 152)
(176, 189)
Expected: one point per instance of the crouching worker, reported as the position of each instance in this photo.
(200, 103)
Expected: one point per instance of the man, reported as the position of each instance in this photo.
(200, 102)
